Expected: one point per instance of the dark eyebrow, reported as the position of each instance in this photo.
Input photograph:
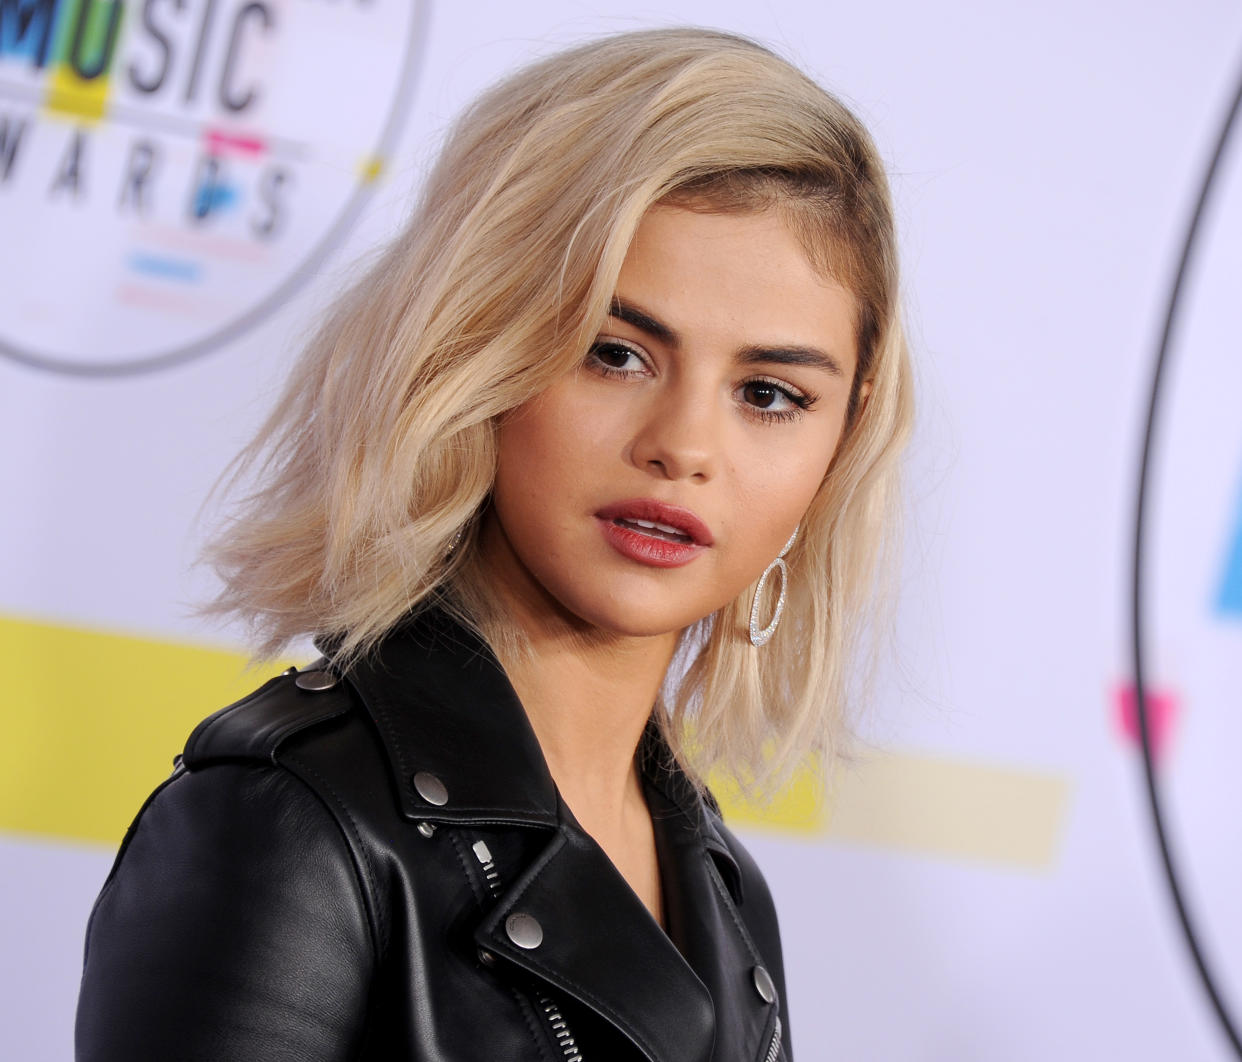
(632, 315)
(812, 357)
(809, 356)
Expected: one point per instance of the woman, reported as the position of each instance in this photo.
(577, 491)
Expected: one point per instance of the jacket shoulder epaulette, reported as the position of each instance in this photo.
(255, 727)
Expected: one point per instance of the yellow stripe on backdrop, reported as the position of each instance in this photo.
(92, 720)
(918, 803)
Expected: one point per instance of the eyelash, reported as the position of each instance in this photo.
(800, 400)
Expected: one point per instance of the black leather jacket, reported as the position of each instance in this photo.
(383, 869)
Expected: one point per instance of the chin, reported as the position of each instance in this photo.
(593, 600)
(632, 621)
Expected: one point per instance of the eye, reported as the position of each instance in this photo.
(763, 395)
(772, 400)
(611, 357)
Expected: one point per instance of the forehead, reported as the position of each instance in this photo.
(734, 277)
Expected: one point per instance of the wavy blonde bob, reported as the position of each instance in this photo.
(382, 452)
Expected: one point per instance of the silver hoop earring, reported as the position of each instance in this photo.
(762, 637)
(461, 533)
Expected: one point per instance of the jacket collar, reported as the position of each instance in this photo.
(446, 711)
(471, 733)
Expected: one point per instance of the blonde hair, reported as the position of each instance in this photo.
(382, 452)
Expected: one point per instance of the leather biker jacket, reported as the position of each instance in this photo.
(380, 867)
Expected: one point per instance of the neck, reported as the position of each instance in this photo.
(588, 694)
(588, 703)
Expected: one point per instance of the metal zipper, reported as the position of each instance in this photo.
(774, 1048)
(484, 855)
(560, 1028)
(564, 1040)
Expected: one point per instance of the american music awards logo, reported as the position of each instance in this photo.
(172, 170)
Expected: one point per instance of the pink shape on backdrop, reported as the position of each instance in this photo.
(220, 141)
(1163, 710)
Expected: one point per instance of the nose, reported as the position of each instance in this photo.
(678, 437)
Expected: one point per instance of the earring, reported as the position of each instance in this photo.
(762, 637)
(461, 533)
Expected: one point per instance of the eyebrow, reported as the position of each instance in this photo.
(632, 315)
(812, 357)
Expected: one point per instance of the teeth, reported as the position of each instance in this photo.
(658, 527)
(655, 529)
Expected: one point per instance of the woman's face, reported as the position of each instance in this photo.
(651, 486)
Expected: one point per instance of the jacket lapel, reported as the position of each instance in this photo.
(604, 949)
(443, 707)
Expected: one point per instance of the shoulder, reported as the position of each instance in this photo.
(257, 727)
(236, 893)
(259, 794)
(308, 725)
(242, 779)
(305, 731)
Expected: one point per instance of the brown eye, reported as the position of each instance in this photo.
(761, 395)
(771, 400)
(613, 355)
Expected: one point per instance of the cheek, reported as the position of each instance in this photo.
(531, 437)
(544, 448)
(784, 476)
(566, 427)
(773, 494)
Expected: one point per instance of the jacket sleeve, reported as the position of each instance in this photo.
(232, 927)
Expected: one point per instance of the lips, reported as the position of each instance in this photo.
(660, 519)
(653, 533)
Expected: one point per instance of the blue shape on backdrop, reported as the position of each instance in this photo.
(27, 29)
(212, 198)
(166, 268)
(1229, 600)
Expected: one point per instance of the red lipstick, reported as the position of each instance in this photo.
(650, 532)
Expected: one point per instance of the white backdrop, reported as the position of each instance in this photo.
(986, 889)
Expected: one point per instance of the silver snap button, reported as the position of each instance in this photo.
(426, 829)
(315, 680)
(430, 788)
(524, 930)
(764, 985)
